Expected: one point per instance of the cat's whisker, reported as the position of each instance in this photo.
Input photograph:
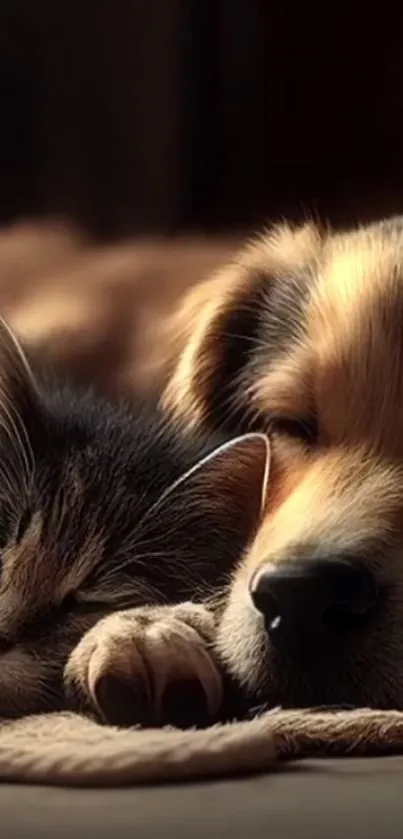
(10, 481)
(19, 431)
(172, 570)
(14, 429)
(126, 595)
(165, 496)
(180, 516)
(136, 560)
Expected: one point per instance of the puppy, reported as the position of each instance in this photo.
(302, 337)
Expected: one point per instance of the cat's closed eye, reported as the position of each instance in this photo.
(6, 526)
(23, 524)
(73, 602)
(13, 527)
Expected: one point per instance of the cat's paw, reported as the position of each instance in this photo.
(133, 664)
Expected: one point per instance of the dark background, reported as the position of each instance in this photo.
(158, 116)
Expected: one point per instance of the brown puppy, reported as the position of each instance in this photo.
(303, 336)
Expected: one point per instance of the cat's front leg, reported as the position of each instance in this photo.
(137, 665)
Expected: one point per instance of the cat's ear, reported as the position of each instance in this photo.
(221, 499)
(234, 476)
(19, 399)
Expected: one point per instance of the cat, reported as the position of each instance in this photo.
(118, 533)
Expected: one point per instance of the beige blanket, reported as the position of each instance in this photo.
(65, 749)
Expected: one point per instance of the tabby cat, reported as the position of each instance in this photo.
(118, 532)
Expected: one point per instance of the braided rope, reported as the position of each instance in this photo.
(69, 750)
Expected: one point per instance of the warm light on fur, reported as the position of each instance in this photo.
(306, 327)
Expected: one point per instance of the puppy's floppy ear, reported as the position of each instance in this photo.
(216, 330)
(19, 401)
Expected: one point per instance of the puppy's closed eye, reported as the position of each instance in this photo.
(305, 430)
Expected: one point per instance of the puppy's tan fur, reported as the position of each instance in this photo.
(318, 341)
(199, 326)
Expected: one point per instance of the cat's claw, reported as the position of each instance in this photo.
(130, 658)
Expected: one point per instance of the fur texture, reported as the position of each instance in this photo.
(253, 331)
(69, 750)
(302, 336)
(105, 510)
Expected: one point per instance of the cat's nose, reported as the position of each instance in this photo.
(309, 599)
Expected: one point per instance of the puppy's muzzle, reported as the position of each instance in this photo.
(311, 601)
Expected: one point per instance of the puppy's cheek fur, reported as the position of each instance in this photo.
(355, 504)
(359, 517)
(241, 643)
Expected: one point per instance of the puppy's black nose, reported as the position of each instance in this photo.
(310, 599)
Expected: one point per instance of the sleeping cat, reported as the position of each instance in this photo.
(117, 532)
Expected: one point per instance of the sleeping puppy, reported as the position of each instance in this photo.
(302, 336)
